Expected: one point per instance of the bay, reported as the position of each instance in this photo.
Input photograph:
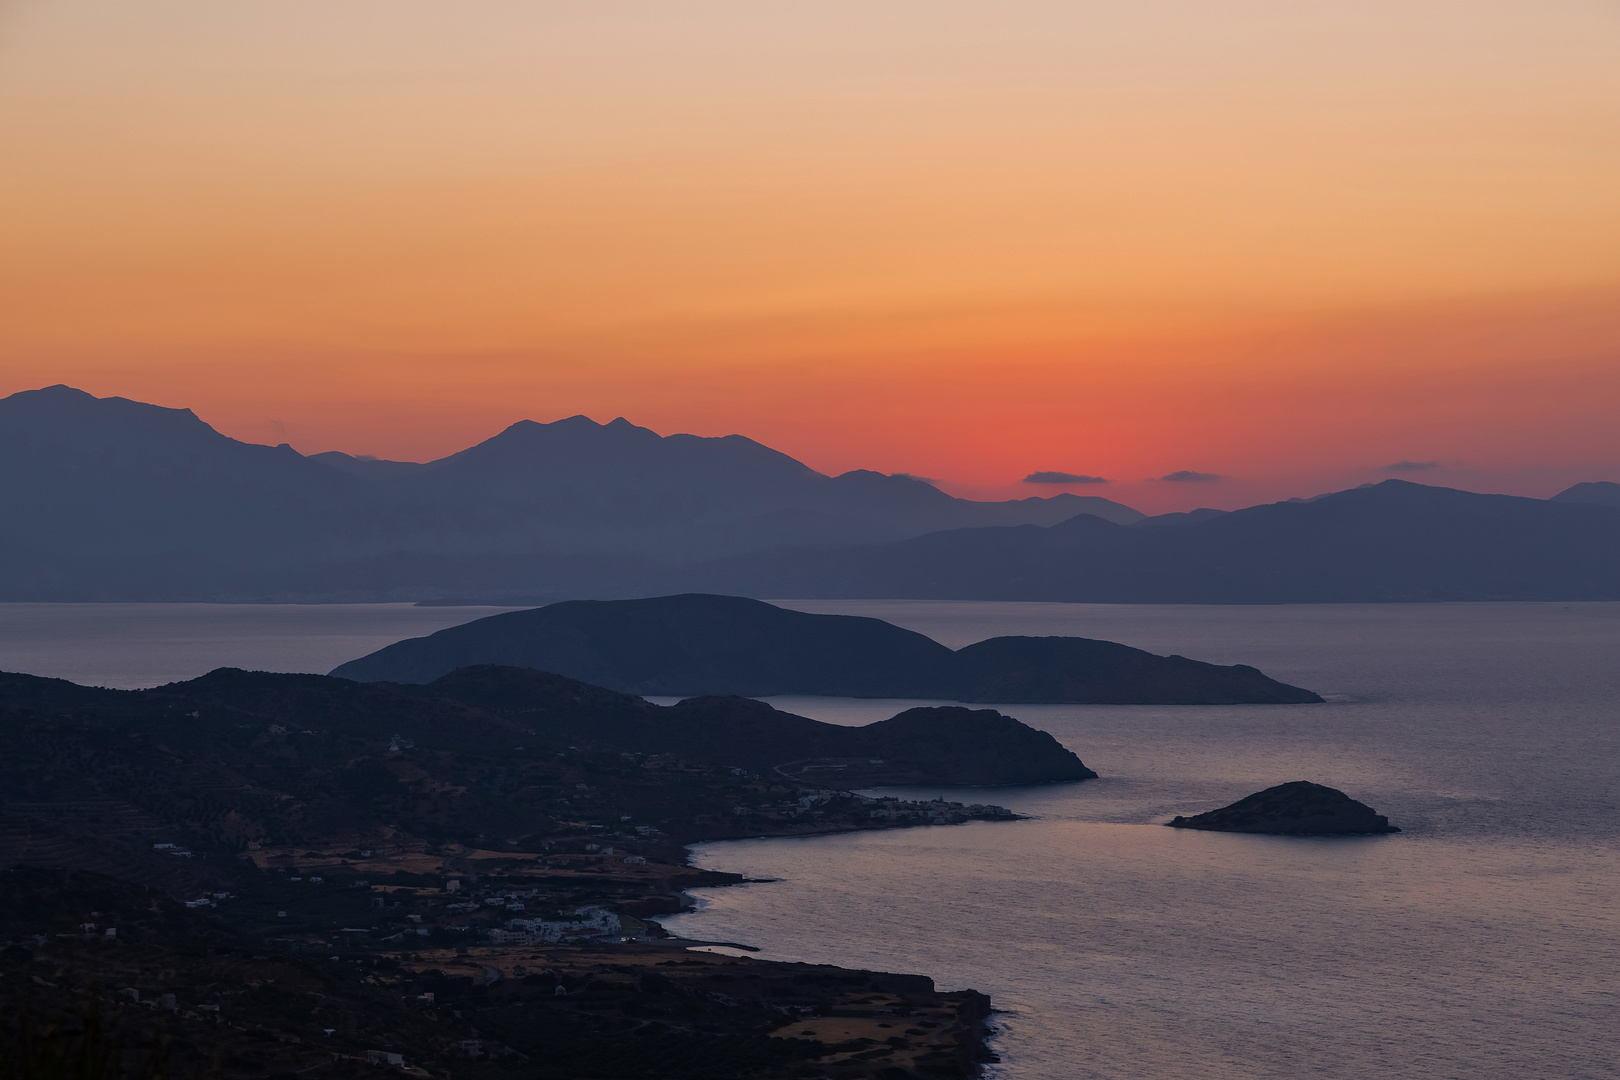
(1482, 941)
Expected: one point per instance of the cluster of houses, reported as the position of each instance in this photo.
(889, 808)
(589, 921)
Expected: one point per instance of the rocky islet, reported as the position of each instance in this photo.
(1297, 808)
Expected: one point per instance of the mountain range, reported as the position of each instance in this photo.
(1394, 541)
(112, 499)
(115, 499)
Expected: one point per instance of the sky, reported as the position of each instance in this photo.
(1267, 248)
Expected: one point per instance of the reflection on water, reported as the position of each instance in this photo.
(1481, 942)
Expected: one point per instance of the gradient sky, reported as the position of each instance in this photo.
(1288, 244)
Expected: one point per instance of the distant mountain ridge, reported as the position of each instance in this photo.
(1388, 542)
(111, 499)
(1601, 493)
(115, 499)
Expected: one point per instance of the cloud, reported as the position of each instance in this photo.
(1411, 466)
(913, 476)
(1187, 476)
(1062, 478)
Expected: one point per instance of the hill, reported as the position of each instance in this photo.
(238, 756)
(1394, 541)
(703, 645)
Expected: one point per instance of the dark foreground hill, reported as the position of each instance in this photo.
(702, 645)
(450, 880)
(1394, 541)
(241, 756)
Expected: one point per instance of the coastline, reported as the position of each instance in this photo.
(443, 989)
(871, 1023)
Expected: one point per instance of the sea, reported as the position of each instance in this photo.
(129, 646)
(1482, 941)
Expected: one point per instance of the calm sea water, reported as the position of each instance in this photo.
(1483, 941)
(127, 646)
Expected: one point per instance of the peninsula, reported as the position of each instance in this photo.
(302, 874)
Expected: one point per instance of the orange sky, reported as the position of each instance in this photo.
(1289, 244)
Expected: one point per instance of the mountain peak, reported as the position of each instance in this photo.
(106, 416)
(59, 392)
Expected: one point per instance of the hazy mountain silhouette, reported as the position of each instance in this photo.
(108, 498)
(110, 490)
(1601, 492)
(1394, 541)
(111, 499)
(697, 644)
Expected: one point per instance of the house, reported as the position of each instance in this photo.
(384, 1057)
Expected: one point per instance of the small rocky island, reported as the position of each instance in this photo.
(1298, 808)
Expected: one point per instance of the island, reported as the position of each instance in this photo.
(1298, 808)
(698, 644)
